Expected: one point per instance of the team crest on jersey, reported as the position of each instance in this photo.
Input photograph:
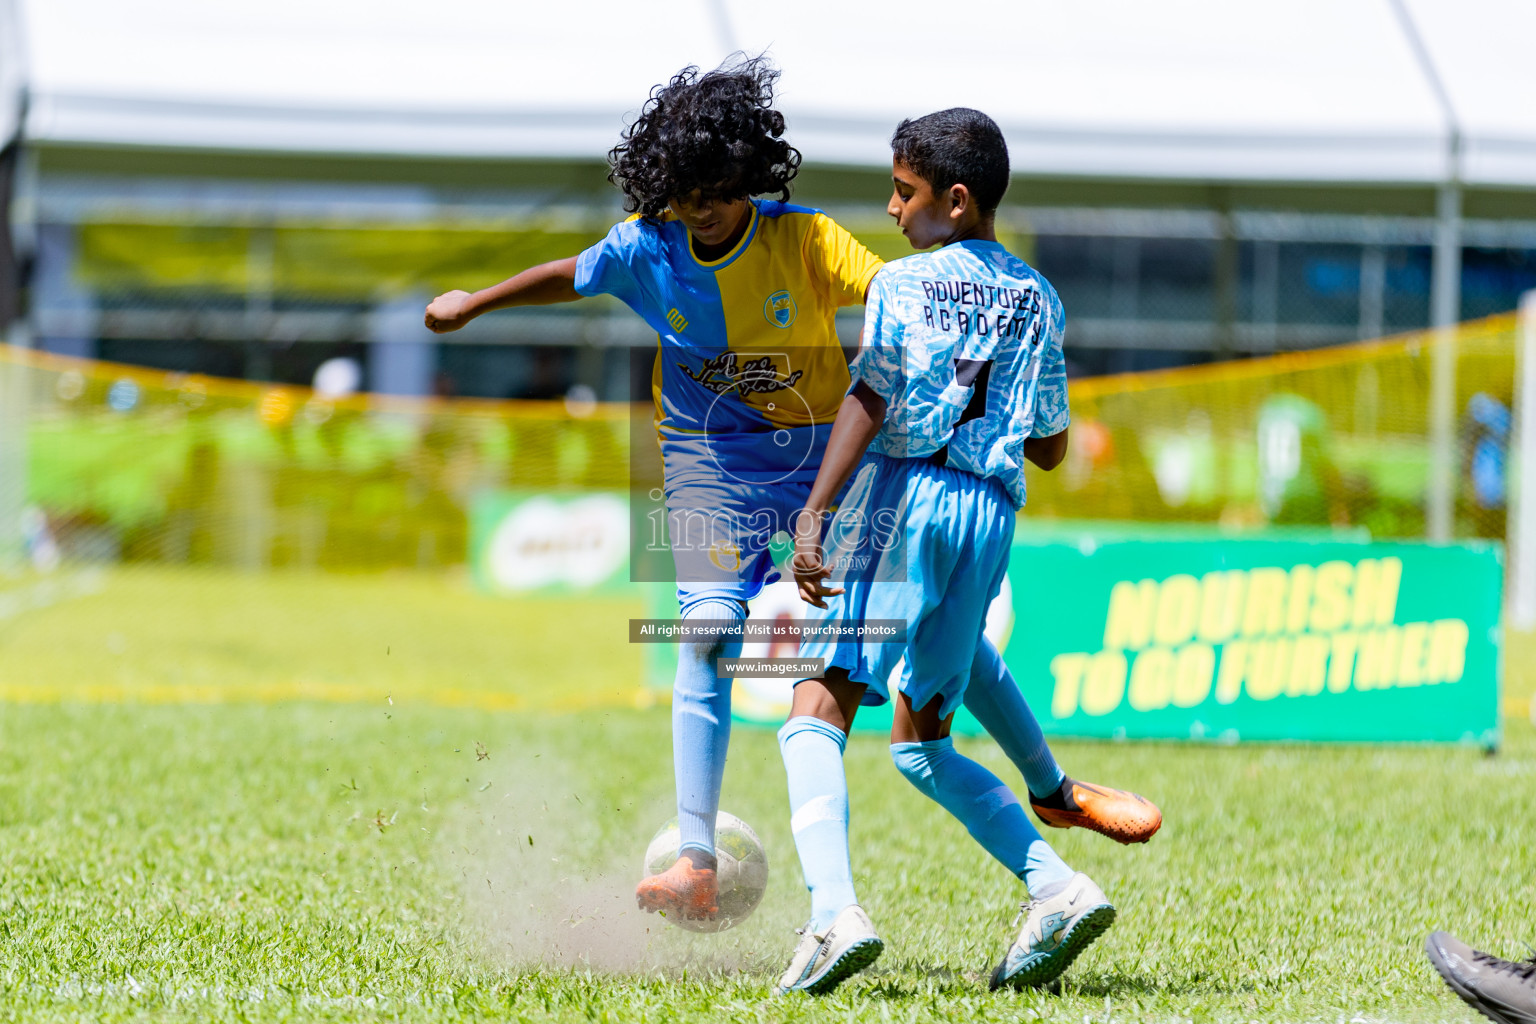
(725, 372)
(780, 309)
(726, 556)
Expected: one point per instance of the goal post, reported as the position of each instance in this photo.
(13, 456)
(1521, 529)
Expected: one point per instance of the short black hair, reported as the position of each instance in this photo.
(717, 133)
(956, 146)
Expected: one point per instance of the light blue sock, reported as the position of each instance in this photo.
(994, 698)
(818, 806)
(987, 808)
(701, 723)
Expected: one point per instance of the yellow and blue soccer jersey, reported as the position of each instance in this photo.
(748, 380)
(748, 346)
(964, 344)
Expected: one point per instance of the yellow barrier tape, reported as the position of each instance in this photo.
(256, 391)
(1285, 362)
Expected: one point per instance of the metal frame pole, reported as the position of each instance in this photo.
(13, 452)
(1445, 298)
(1520, 469)
(1445, 307)
(15, 229)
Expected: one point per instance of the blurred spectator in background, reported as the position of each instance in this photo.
(1299, 482)
(1485, 440)
(1105, 475)
(42, 549)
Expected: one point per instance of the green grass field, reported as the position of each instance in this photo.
(305, 798)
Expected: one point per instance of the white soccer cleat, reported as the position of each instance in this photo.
(1055, 931)
(822, 962)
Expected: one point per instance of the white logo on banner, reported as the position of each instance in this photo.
(544, 541)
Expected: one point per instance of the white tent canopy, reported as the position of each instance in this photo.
(1196, 90)
(1438, 93)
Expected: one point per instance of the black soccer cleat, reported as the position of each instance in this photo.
(1501, 990)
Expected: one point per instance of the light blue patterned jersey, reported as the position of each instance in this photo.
(964, 345)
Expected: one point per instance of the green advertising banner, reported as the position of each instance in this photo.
(520, 542)
(1200, 636)
(1233, 639)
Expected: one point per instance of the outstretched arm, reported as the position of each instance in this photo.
(858, 421)
(536, 286)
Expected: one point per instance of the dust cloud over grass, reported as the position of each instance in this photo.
(549, 853)
(546, 878)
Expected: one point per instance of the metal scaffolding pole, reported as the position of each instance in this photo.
(1445, 300)
(13, 454)
(1445, 308)
(1520, 468)
(13, 374)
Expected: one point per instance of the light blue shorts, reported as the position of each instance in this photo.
(926, 545)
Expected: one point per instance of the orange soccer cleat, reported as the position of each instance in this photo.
(1122, 816)
(682, 889)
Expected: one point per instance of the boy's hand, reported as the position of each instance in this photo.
(448, 312)
(811, 570)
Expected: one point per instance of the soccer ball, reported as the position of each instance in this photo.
(742, 871)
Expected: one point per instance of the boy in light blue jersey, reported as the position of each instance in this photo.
(960, 381)
(742, 292)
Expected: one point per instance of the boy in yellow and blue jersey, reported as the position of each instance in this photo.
(742, 292)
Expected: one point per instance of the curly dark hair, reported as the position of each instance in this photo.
(717, 133)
